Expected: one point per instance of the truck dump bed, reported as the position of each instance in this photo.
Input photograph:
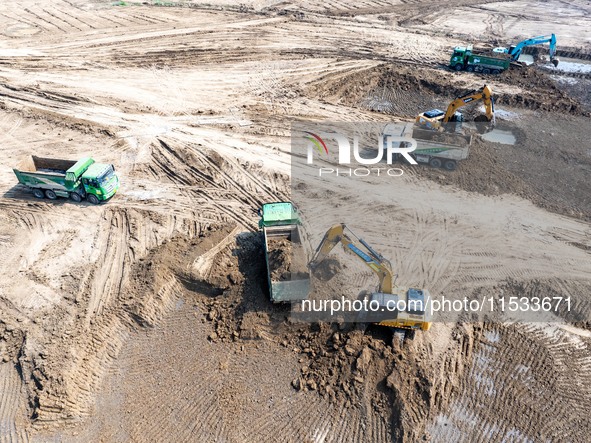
(451, 146)
(286, 264)
(444, 145)
(426, 135)
(33, 169)
(45, 165)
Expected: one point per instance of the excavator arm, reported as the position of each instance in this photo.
(415, 316)
(374, 260)
(485, 95)
(516, 50)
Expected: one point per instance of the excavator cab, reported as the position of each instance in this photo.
(433, 119)
(413, 313)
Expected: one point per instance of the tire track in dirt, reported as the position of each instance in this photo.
(43, 20)
(176, 170)
(108, 277)
(110, 329)
(57, 17)
(21, 208)
(21, 19)
(103, 337)
(220, 173)
(534, 366)
(75, 18)
(12, 405)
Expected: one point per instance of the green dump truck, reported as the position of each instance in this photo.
(287, 268)
(52, 178)
(463, 58)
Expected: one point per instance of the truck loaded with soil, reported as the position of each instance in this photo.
(284, 252)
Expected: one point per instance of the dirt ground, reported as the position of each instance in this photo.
(148, 318)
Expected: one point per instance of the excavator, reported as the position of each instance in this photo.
(436, 118)
(515, 50)
(415, 315)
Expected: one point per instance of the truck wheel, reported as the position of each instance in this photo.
(92, 199)
(450, 165)
(435, 162)
(74, 196)
(486, 71)
(459, 67)
(50, 194)
(496, 72)
(470, 69)
(38, 193)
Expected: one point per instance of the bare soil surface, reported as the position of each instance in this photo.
(148, 318)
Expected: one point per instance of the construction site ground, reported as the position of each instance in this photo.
(147, 318)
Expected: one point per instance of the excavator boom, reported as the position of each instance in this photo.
(485, 94)
(414, 316)
(434, 120)
(375, 261)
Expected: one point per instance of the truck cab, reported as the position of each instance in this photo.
(100, 180)
(458, 57)
(279, 213)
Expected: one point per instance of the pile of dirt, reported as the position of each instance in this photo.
(286, 259)
(342, 362)
(280, 255)
(403, 91)
(11, 341)
(327, 269)
(441, 137)
(540, 92)
(336, 363)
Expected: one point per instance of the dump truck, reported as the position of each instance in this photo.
(76, 180)
(439, 150)
(463, 58)
(287, 272)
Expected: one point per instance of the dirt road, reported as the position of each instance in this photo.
(117, 324)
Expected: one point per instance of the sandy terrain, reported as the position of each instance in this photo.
(147, 318)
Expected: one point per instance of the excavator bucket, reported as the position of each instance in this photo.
(555, 61)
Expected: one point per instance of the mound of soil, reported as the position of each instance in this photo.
(327, 269)
(540, 92)
(344, 363)
(286, 260)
